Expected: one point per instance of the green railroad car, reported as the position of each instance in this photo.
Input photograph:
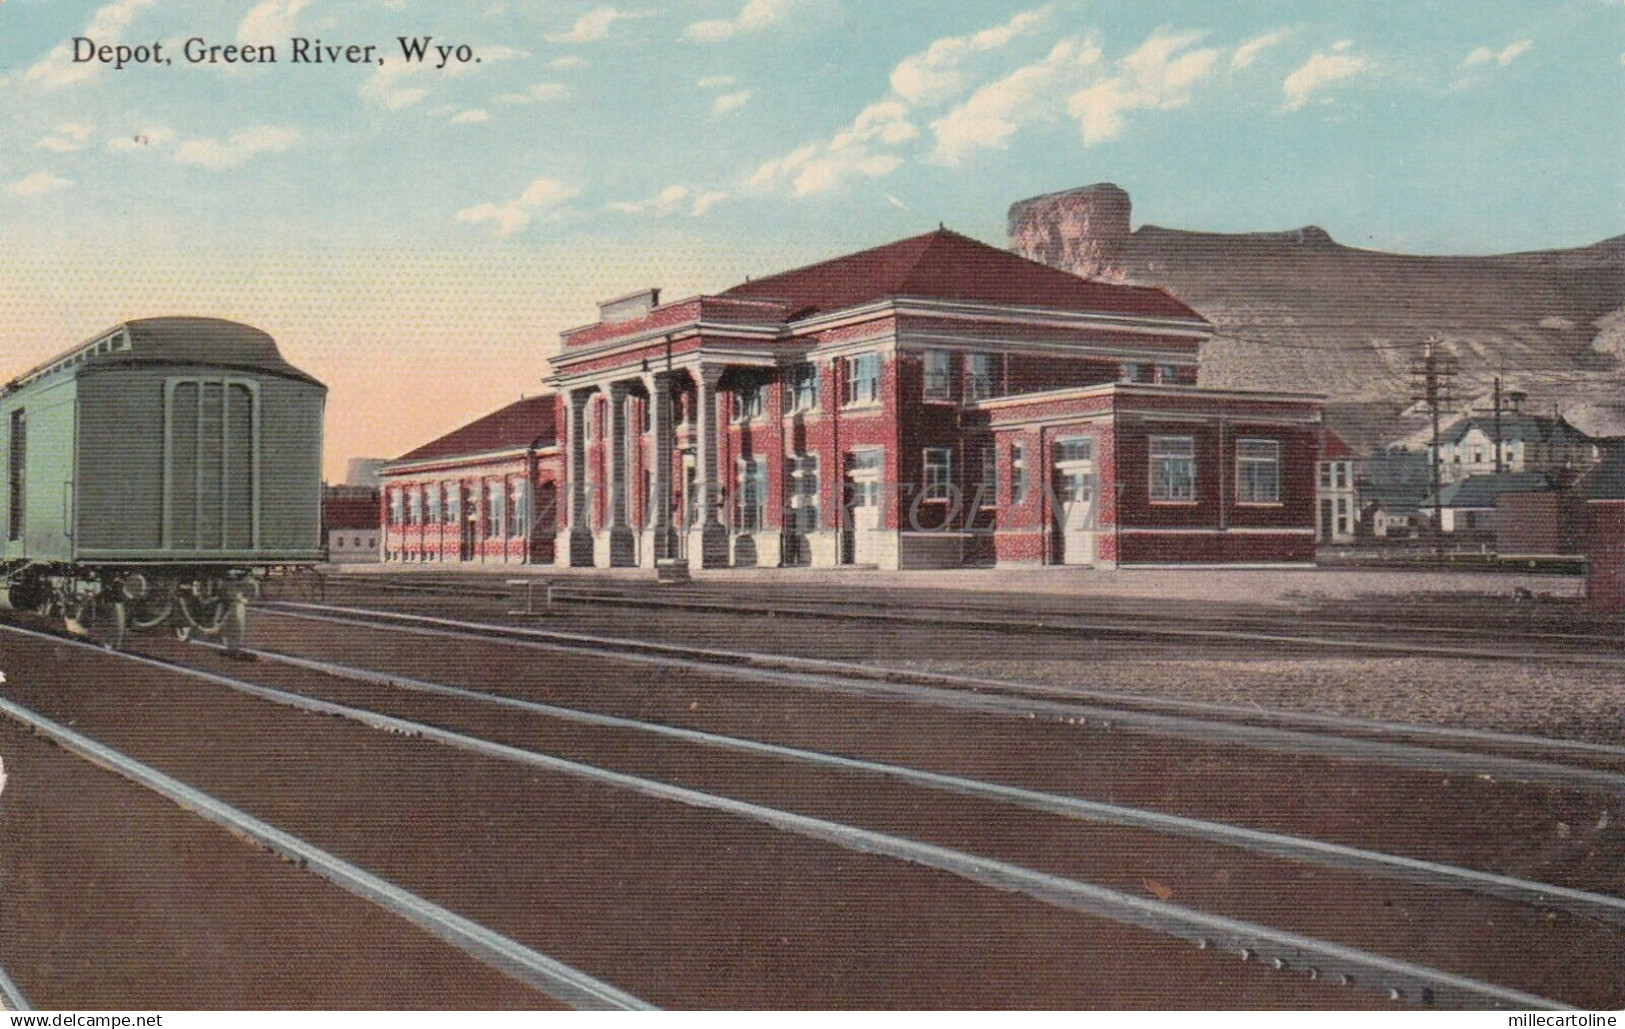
(154, 474)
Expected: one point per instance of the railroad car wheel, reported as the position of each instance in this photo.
(112, 625)
(151, 611)
(234, 633)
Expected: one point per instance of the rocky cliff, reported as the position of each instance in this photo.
(1298, 310)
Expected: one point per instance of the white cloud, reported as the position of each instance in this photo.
(107, 25)
(855, 151)
(472, 116)
(219, 156)
(1322, 70)
(716, 82)
(69, 136)
(1032, 93)
(1157, 76)
(271, 21)
(938, 73)
(669, 201)
(506, 219)
(895, 202)
(391, 86)
(567, 62)
(37, 185)
(730, 102)
(1503, 57)
(705, 201)
(140, 140)
(1248, 52)
(753, 17)
(541, 93)
(594, 25)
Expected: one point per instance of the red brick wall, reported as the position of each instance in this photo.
(1605, 557)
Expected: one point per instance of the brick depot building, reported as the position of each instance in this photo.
(478, 494)
(935, 402)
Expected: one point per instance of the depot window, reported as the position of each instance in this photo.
(801, 393)
(1258, 471)
(990, 477)
(1173, 468)
(979, 382)
(1018, 473)
(938, 382)
(861, 379)
(1074, 448)
(749, 401)
(939, 472)
(750, 511)
(802, 470)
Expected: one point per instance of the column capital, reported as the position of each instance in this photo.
(579, 397)
(620, 390)
(709, 374)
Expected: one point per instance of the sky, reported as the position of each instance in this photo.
(417, 236)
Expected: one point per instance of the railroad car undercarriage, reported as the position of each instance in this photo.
(108, 602)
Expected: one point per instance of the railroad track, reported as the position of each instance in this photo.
(1284, 950)
(1558, 762)
(11, 997)
(1357, 637)
(548, 975)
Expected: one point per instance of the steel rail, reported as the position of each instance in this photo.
(569, 985)
(1402, 980)
(11, 997)
(1046, 622)
(1280, 716)
(1332, 855)
(862, 681)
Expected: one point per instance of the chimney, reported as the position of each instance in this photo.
(630, 307)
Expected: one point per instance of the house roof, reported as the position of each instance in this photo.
(945, 265)
(1605, 481)
(1481, 491)
(1515, 427)
(521, 424)
(1334, 449)
(350, 512)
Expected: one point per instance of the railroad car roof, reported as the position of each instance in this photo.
(175, 340)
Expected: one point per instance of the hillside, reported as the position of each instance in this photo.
(1298, 310)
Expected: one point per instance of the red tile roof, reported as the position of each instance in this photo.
(515, 426)
(350, 512)
(948, 266)
(1334, 448)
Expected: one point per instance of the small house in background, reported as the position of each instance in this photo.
(1528, 442)
(1337, 513)
(350, 525)
(1392, 486)
(1468, 506)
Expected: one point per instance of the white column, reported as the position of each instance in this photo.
(660, 385)
(622, 544)
(713, 534)
(578, 550)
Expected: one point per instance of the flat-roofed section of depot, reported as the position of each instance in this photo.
(526, 423)
(351, 512)
(179, 340)
(945, 265)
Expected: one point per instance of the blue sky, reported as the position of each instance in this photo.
(598, 148)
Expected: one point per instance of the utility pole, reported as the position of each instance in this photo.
(1432, 377)
(1500, 464)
